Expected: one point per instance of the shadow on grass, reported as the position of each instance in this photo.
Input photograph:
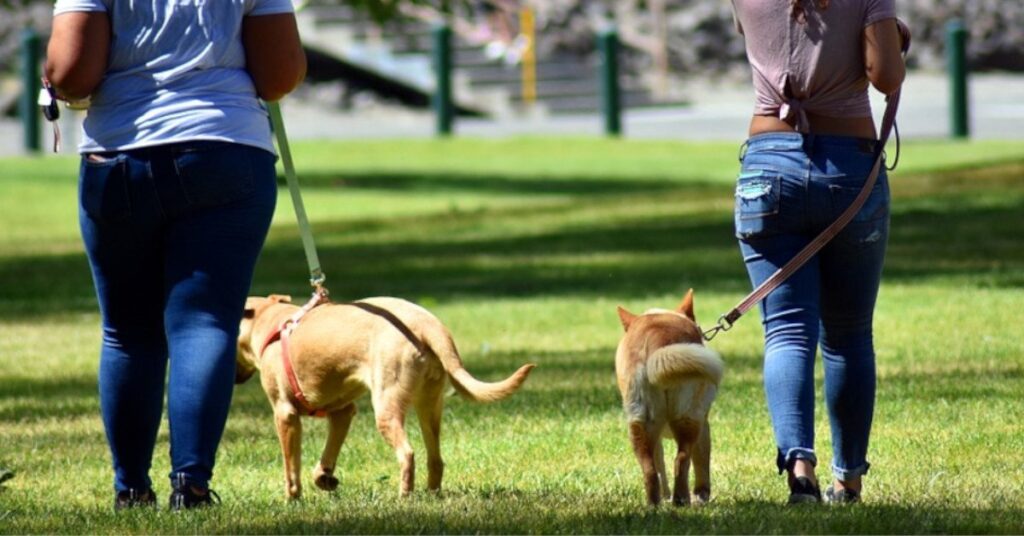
(38, 399)
(648, 255)
(525, 512)
(553, 513)
(491, 183)
(518, 266)
(565, 384)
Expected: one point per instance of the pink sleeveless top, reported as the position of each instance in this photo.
(815, 65)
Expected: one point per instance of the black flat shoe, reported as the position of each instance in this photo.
(802, 490)
(185, 497)
(843, 496)
(132, 498)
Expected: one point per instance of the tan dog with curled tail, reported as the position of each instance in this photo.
(396, 350)
(668, 380)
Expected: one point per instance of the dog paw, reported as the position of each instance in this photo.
(326, 482)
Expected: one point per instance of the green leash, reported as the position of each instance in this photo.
(316, 274)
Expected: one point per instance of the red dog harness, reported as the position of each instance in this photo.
(285, 330)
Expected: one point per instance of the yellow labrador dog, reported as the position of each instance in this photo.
(668, 380)
(397, 351)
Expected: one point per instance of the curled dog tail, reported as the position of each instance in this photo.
(677, 363)
(440, 342)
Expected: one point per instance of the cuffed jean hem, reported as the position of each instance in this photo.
(180, 480)
(785, 460)
(850, 474)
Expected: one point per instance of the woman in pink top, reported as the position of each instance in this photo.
(811, 148)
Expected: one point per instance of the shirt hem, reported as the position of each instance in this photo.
(96, 148)
(78, 9)
(879, 18)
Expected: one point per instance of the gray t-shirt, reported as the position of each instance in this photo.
(176, 73)
(813, 65)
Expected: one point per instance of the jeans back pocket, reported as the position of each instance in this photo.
(758, 199)
(871, 223)
(214, 173)
(103, 188)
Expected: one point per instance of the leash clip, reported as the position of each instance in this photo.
(320, 294)
(317, 280)
(723, 324)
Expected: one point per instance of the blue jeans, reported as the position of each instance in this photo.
(790, 188)
(172, 234)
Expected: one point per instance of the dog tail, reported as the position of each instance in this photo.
(464, 382)
(676, 363)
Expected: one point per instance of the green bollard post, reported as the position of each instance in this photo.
(27, 108)
(444, 110)
(611, 106)
(956, 64)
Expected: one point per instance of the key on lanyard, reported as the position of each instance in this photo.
(48, 104)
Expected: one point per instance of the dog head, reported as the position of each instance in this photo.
(652, 330)
(682, 318)
(246, 360)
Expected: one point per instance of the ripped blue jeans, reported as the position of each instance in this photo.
(791, 187)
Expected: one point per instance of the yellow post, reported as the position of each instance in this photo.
(529, 63)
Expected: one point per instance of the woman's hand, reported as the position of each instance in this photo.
(76, 57)
(904, 31)
(273, 54)
(883, 60)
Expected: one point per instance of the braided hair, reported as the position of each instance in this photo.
(800, 14)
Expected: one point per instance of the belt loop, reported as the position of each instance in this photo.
(809, 139)
(743, 151)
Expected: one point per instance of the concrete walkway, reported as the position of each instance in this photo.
(718, 112)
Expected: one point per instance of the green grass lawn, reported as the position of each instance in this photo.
(523, 248)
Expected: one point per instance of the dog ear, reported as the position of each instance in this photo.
(280, 298)
(626, 317)
(686, 307)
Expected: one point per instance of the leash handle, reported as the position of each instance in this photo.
(316, 274)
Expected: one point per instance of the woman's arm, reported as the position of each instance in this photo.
(882, 58)
(76, 57)
(273, 54)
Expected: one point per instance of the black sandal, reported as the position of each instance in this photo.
(803, 490)
(184, 497)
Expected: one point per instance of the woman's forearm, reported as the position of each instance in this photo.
(76, 57)
(273, 54)
(883, 61)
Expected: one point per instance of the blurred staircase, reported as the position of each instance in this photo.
(400, 51)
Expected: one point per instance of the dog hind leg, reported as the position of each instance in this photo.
(643, 448)
(702, 464)
(428, 409)
(339, 422)
(659, 461)
(289, 432)
(391, 424)
(686, 433)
